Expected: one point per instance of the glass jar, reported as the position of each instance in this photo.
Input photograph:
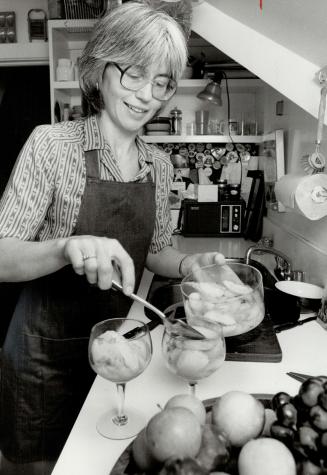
(55, 9)
(176, 121)
(233, 126)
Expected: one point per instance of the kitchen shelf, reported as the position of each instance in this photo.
(67, 39)
(24, 54)
(201, 138)
(187, 86)
(66, 85)
(193, 86)
(73, 27)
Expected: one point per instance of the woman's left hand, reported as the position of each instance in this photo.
(194, 261)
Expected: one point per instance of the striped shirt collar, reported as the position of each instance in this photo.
(94, 140)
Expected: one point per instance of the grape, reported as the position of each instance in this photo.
(280, 399)
(282, 433)
(318, 417)
(308, 437)
(302, 425)
(310, 390)
(322, 444)
(302, 410)
(287, 415)
(309, 468)
(322, 399)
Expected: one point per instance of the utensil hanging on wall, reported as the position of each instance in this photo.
(316, 161)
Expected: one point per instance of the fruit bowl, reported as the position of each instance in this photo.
(241, 433)
(126, 465)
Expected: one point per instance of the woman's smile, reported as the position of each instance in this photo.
(138, 110)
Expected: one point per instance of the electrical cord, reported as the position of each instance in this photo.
(228, 119)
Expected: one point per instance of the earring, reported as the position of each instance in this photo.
(97, 85)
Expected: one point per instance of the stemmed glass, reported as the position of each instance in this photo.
(119, 350)
(193, 359)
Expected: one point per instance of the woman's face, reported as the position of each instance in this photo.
(129, 110)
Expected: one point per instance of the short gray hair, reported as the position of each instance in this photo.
(132, 33)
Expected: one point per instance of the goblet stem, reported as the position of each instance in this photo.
(192, 388)
(120, 419)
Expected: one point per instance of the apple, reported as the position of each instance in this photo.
(239, 415)
(173, 432)
(267, 453)
(141, 454)
(191, 402)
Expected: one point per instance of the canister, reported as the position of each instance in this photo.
(176, 121)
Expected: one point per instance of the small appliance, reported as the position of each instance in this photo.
(222, 218)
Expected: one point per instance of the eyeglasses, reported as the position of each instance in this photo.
(134, 78)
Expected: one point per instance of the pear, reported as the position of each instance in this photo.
(215, 448)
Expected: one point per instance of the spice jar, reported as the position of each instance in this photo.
(176, 121)
(233, 126)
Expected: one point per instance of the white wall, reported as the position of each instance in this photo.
(21, 8)
(304, 240)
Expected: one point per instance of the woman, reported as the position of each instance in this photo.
(88, 200)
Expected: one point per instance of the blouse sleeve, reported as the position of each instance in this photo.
(163, 171)
(28, 193)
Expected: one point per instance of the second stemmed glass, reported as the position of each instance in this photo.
(192, 359)
(119, 350)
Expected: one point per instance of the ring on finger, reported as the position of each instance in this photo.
(87, 256)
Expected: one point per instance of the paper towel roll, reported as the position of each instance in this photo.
(306, 195)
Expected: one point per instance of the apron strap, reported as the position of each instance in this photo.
(92, 164)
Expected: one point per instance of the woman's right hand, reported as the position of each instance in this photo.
(99, 258)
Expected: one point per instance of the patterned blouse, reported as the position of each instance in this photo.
(43, 196)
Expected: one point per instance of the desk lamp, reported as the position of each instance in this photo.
(212, 91)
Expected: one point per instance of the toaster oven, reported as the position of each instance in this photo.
(222, 218)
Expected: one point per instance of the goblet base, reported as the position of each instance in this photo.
(108, 428)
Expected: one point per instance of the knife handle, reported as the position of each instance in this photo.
(288, 326)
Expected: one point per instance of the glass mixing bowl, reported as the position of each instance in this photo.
(231, 295)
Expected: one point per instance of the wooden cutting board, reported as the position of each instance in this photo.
(259, 345)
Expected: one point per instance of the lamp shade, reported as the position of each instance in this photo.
(211, 93)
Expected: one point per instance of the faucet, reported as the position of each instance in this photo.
(283, 270)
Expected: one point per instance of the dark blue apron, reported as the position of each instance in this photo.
(45, 370)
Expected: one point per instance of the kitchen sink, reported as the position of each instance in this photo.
(259, 344)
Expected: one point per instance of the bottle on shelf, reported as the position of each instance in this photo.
(66, 113)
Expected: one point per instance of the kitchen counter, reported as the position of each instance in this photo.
(304, 350)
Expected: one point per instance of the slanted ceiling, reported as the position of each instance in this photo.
(284, 43)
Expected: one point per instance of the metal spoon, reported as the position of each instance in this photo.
(177, 326)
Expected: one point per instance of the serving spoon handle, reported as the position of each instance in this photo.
(187, 329)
